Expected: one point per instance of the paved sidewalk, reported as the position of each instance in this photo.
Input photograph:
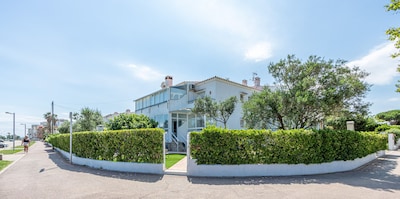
(12, 157)
(180, 168)
(43, 173)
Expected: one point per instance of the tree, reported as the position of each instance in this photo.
(361, 122)
(131, 121)
(394, 33)
(50, 119)
(64, 127)
(220, 112)
(306, 93)
(88, 119)
(392, 116)
(263, 110)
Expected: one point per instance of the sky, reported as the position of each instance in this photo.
(105, 54)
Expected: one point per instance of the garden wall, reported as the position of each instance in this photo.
(149, 168)
(244, 170)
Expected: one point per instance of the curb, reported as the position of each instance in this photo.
(12, 163)
(21, 154)
(175, 172)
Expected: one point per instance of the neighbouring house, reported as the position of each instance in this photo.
(108, 117)
(171, 106)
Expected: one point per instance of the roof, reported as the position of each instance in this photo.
(226, 81)
(203, 82)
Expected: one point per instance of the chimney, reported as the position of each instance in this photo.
(168, 81)
(244, 82)
(256, 82)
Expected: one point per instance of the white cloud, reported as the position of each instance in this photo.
(240, 24)
(259, 52)
(219, 15)
(145, 73)
(394, 99)
(379, 63)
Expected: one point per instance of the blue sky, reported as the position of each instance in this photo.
(104, 54)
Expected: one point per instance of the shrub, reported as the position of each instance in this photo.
(139, 145)
(222, 146)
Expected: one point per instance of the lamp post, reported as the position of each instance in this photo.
(13, 128)
(25, 129)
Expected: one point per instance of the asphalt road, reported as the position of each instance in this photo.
(43, 173)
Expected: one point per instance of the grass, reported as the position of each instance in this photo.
(22, 147)
(4, 164)
(10, 151)
(171, 159)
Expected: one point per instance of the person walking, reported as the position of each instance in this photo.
(26, 142)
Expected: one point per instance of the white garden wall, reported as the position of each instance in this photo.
(276, 169)
(116, 166)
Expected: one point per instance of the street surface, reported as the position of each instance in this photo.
(43, 173)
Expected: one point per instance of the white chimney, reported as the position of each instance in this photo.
(168, 81)
(257, 82)
(244, 82)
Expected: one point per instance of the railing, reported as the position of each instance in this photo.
(176, 140)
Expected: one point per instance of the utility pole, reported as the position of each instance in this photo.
(52, 117)
(70, 137)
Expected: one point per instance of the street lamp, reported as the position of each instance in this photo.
(13, 128)
(25, 128)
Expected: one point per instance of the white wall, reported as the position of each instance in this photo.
(276, 169)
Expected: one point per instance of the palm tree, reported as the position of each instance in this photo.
(50, 120)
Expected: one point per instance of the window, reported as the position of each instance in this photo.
(178, 92)
(196, 122)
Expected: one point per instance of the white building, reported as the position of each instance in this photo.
(108, 117)
(171, 105)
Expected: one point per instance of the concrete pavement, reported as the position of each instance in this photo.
(43, 173)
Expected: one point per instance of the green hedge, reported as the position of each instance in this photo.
(395, 129)
(222, 146)
(134, 145)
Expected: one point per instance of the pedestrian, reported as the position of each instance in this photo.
(26, 142)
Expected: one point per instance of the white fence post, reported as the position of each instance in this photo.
(391, 141)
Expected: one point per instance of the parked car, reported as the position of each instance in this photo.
(3, 145)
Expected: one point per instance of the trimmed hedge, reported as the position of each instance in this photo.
(222, 146)
(395, 129)
(133, 145)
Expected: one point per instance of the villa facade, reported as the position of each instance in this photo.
(171, 105)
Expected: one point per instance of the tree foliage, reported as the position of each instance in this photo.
(392, 116)
(394, 32)
(361, 122)
(306, 93)
(50, 119)
(130, 121)
(64, 127)
(87, 119)
(264, 110)
(219, 112)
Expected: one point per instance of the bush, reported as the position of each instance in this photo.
(382, 128)
(395, 131)
(139, 145)
(222, 146)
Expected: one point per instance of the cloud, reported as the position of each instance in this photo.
(379, 63)
(144, 73)
(237, 21)
(259, 52)
(394, 99)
